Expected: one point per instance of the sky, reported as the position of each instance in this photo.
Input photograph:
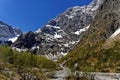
(30, 15)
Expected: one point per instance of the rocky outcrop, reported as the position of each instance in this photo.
(26, 40)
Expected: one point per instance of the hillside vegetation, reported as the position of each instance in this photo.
(104, 60)
(24, 59)
(15, 65)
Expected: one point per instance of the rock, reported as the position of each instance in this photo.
(26, 40)
(7, 31)
(97, 76)
(8, 43)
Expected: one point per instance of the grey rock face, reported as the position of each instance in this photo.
(105, 23)
(62, 33)
(7, 31)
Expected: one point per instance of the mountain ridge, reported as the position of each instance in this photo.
(59, 35)
(7, 32)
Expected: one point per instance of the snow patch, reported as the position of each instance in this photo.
(115, 33)
(48, 25)
(73, 42)
(13, 39)
(95, 8)
(57, 36)
(57, 27)
(64, 54)
(66, 45)
(82, 30)
(35, 47)
(38, 31)
(70, 16)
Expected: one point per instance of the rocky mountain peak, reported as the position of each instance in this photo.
(59, 35)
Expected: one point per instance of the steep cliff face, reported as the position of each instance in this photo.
(91, 53)
(63, 32)
(60, 35)
(106, 22)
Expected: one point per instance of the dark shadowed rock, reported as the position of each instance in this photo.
(8, 43)
(25, 40)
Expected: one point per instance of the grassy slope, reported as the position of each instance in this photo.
(105, 60)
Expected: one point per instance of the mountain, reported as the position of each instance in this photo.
(61, 34)
(99, 49)
(95, 56)
(7, 32)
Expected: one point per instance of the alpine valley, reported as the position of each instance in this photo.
(82, 43)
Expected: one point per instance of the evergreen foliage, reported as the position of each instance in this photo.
(25, 59)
